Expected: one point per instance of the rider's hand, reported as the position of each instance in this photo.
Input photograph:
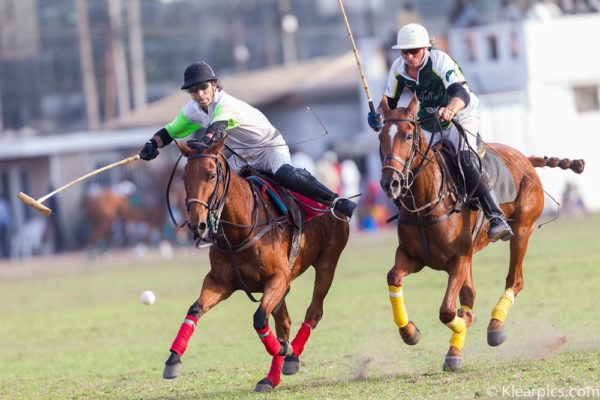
(445, 114)
(149, 151)
(375, 121)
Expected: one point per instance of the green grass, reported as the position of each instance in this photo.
(82, 333)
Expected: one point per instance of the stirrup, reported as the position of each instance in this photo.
(344, 218)
(505, 234)
(350, 203)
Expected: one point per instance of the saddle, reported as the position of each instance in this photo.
(492, 163)
(298, 208)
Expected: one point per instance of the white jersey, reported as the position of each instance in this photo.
(250, 133)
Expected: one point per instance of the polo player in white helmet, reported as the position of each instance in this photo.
(442, 90)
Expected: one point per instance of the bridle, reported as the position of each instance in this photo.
(406, 174)
(215, 202)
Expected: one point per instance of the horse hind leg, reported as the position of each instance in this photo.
(496, 334)
(324, 273)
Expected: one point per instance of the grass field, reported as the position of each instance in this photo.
(72, 329)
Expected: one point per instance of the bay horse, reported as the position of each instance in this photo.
(433, 230)
(250, 244)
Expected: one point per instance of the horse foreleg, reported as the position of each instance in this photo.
(456, 278)
(467, 299)
(403, 266)
(211, 294)
(273, 294)
(514, 283)
(282, 328)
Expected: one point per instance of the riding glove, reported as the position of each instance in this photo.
(375, 121)
(149, 151)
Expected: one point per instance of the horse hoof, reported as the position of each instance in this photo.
(264, 385)
(172, 366)
(412, 339)
(496, 338)
(172, 371)
(453, 363)
(291, 365)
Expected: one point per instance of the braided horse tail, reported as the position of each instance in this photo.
(576, 166)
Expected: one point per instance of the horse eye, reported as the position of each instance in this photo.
(409, 136)
(212, 177)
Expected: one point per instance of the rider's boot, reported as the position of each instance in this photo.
(301, 181)
(499, 228)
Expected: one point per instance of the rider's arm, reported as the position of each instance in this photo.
(393, 89)
(162, 138)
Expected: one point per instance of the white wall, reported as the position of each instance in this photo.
(532, 104)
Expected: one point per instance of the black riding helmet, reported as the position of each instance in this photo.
(197, 73)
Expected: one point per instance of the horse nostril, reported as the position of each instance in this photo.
(395, 184)
(202, 226)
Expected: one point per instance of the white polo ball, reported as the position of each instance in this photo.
(148, 297)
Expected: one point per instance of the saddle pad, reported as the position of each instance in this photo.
(310, 207)
(504, 184)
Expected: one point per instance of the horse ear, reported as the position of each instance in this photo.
(219, 140)
(412, 105)
(183, 148)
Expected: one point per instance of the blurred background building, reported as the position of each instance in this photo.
(84, 82)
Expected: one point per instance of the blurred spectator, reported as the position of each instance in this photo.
(373, 208)
(572, 202)
(464, 14)
(544, 10)
(407, 15)
(327, 171)
(303, 160)
(5, 223)
(510, 11)
(350, 179)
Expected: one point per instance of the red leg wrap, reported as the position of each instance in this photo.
(185, 333)
(302, 337)
(271, 343)
(274, 374)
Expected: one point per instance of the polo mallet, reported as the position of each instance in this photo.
(37, 204)
(362, 75)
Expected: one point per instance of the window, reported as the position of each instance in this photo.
(587, 98)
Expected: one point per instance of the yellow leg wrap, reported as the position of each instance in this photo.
(501, 310)
(459, 328)
(465, 308)
(398, 308)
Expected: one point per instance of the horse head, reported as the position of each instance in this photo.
(399, 143)
(205, 170)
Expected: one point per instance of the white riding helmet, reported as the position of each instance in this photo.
(412, 36)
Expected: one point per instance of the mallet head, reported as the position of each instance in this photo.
(33, 203)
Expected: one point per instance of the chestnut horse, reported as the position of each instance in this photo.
(434, 231)
(250, 245)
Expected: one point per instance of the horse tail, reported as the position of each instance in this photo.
(576, 166)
